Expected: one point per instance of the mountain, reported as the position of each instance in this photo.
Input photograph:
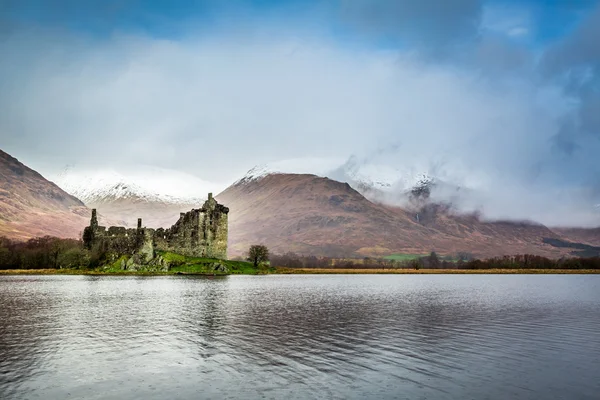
(382, 183)
(378, 182)
(589, 236)
(378, 177)
(30, 205)
(156, 195)
(314, 215)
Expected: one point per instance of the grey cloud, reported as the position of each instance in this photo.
(578, 50)
(575, 62)
(497, 55)
(430, 23)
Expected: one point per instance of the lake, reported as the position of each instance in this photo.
(300, 337)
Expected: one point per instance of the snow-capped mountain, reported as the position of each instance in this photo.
(156, 195)
(149, 184)
(376, 181)
(315, 166)
(382, 177)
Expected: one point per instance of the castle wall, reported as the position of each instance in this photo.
(119, 240)
(217, 232)
(198, 233)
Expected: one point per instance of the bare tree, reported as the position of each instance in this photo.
(257, 254)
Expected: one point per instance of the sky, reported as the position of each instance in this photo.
(502, 97)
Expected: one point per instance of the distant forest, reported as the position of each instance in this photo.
(54, 253)
(433, 261)
(44, 252)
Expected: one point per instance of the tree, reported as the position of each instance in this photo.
(257, 254)
(434, 261)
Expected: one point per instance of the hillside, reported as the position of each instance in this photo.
(30, 205)
(589, 236)
(313, 215)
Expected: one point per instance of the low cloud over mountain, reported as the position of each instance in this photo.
(496, 97)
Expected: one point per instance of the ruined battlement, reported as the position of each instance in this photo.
(200, 232)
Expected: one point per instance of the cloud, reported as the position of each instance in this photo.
(518, 31)
(431, 24)
(215, 104)
(579, 50)
(575, 63)
(507, 19)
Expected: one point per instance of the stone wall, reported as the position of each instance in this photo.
(199, 233)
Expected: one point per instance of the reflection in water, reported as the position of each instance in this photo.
(496, 337)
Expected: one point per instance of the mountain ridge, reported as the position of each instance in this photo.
(319, 216)
(31, 205)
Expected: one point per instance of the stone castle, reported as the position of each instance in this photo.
(198, 233)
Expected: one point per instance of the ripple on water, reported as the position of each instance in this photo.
(454, 336)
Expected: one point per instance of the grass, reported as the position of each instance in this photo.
(404, 257)
(198, 265)
(179, 264)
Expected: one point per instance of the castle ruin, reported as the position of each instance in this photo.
(198, 233)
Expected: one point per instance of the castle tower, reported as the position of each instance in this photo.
(139, 223)
(94, 220)
(89, 232)
(214, 228)
(210, 202)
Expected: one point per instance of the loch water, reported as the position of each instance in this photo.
(300, 337)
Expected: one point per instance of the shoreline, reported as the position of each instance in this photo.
(315, 271)
(407, 271)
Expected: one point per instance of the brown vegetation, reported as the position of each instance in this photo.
(527, 262)
(432, 271)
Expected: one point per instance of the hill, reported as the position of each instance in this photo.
(319, 216)
(30, 205)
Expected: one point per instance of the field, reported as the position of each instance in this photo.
(403, 257)
(430, 271)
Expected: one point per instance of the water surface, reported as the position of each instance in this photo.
(299, 337)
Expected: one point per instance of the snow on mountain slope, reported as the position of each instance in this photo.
(376, 181)
(312, 165)
(359, 174)
(381, 176)
(150, 184)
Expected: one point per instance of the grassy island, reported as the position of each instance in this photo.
(174, 264)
